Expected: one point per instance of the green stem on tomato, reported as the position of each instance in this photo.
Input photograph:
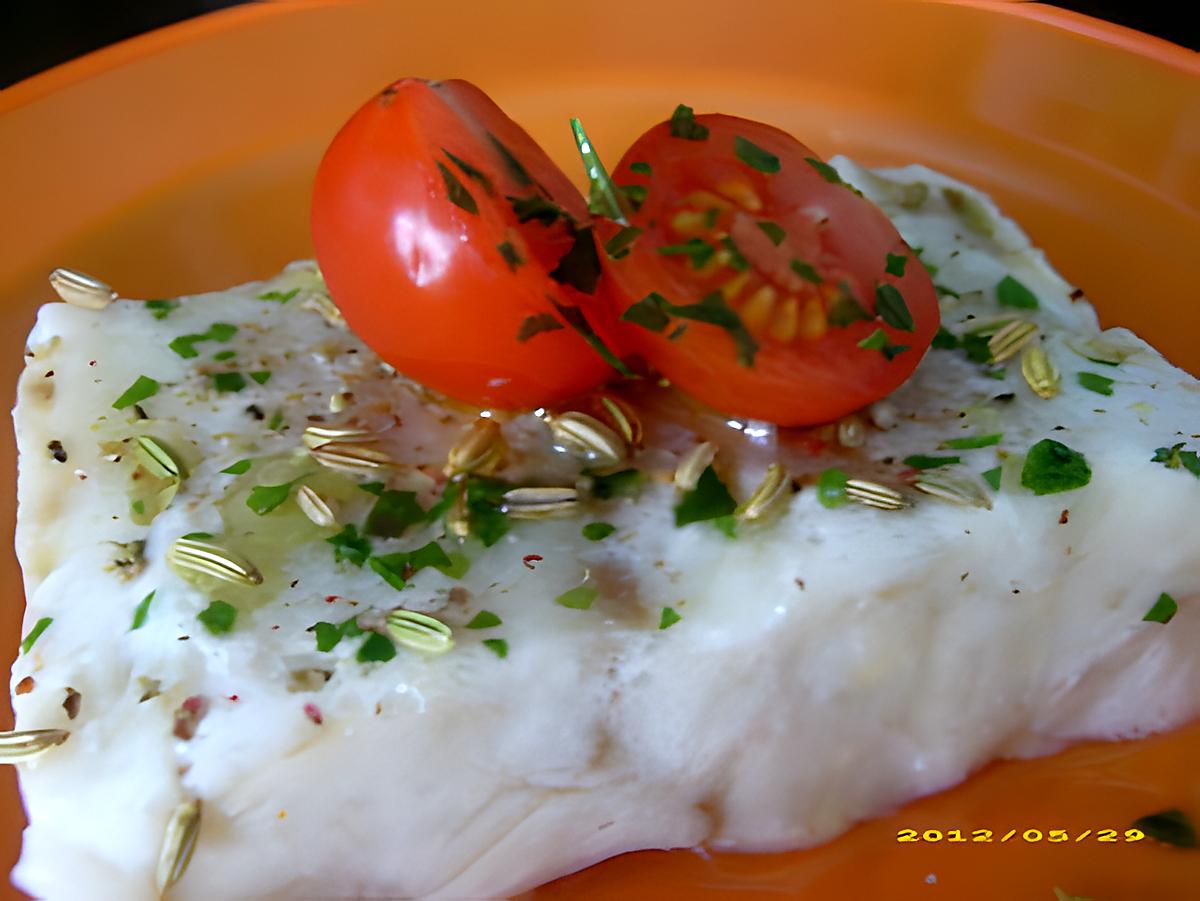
(604, 198)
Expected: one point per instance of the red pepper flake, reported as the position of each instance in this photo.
(313, 712)
(91, 362)
(1064, 517)
(188, 717)
(332, 598)
(274, 628)
(25, 686)
(530, 559)
(232, 697)
(71, 704)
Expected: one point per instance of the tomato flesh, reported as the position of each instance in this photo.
(417, 222)
(747, 225)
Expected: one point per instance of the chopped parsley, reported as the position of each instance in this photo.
(328, 635)
(396, 569)
(185, 345)
(579, 267)
(710, 499)
(276, 421)
(470, 171)
(712, 309)
(497, 646)
(262, 376)
(578, 598)
(393, 513)
(924, 461)
(737, 262)
(1011, 293)
(547, 212)
(635, 194)
(279, 296)
(943, 291)
(376, 649)
(456, 192)
(35, 633)
(1176, 457)
(754, 156)
(229, 381)
(683, 124)
(510, 255)
(831, 488)
(647, 313)
(141, 611)
(668, 618)
(265, 498)
(806, 271)
(618, 246)
(142, 388)
(625, 483)
(161, 309)
(641, 168)
(825, 170)
(375, 488)
(945, 339)
(536, 325)
(846, 311)
(697, 250)
(518, 172)
(1051, 467)
(1171, 827)
(486, 519)
(598, 531)
(892, 309)
(218, 617)
(197, 536)
(484, 619)
(1162, 611)
(1097, 383)
(772, 231)
(896, 263)
(225, 355)
(971, 443)
(992, 477)
(348, 545)
(878, 340)
(574, 317)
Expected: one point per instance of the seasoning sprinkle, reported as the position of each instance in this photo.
(1040, 372)
(623, 419)
(81, 290)
(693, 464)
(315, 508)
(539, 503)
(773, 486)
(213, 560)
(19, 747)
(588, 437)
(350, 456)
(481, 450)
(872, 494)
(158, 459)
(1010, 339)
(419, 632)
(179, 841)
(954, 487)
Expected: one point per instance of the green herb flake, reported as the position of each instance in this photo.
(348, 545)
(678, 332)
(943, 291)
(224, 355)
(1011, 293)
(668, 618)
(1051, 467)
(328, 636)
(1171, 827)
(846, 311)
(945, 339)
(992, 477)
(142, 388)
(619, 245)
(518, 172)
(878, 340)
(578, 598)
(536, 325)
(470, 171)
(376, 649)
(456, 192)
(276, 421)
(484, 619)
(892, 309)
(536, 207)
(579, 267)
(737, 262)
(35, 633)
(391, 568)
(161, 309)
(641, 168)
(831, 488)
(1162, 611)
(971, 443)
(648, 313)
(772, 231)
(710, 499)
(896, 263)
(265, 498)
(138, 507)
(697, 250)
(510, 255)
(635, 194)
(825, 170)
(279, 296)
(625, 483)
(497, 646)
(238, 468)
(683, 124)
(375, 488)
(393, 513)
(261, 377)
(1176, 457)
(924, 461)
(218, 617)
(598, 531)
(754, 156)
(185, 345)
(712, 309)
(806, 271)
(229, 381)
(141, 611)
(1097, 383)
(197, 536)
(574, 317)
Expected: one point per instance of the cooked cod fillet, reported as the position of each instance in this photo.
(826, 664)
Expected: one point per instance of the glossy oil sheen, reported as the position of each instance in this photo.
(180, 161)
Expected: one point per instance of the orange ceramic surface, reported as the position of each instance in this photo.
(181, 161)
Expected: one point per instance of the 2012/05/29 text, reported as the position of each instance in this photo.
(1030, 836)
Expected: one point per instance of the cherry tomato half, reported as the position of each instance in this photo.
(755, 279)
(456, 248)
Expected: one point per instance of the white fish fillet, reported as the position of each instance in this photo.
(828, 665)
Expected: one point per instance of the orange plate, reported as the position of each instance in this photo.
(181, 161)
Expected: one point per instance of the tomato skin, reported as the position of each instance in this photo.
(424, 281)
(799, 381)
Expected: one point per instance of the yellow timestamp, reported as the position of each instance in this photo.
(1029, 836)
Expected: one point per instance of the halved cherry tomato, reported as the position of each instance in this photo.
(759, 282)
(457, 249)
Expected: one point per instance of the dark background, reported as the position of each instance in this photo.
(38, 34)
